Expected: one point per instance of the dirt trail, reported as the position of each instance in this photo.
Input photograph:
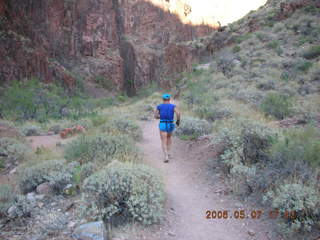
(192, 189)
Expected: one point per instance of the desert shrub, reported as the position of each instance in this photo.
(32, 99)
(31, 130)
(98, 120)
(245, 141)
(251, 96)
(302, 66)
(243, 147)
(266, 85)
(263, 37)
(273, 44)
(212, 113)
(58, 173)
(236, 49)
(192, 128)
(298, 145)
(297, 198)
(277, 105)
(13, 150)
(7, 197)
(241, 38)
(312, 52)
(125, 191)
(101, 148)
(124, 125)
(199, 94)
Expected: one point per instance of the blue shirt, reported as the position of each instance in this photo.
(166, 111)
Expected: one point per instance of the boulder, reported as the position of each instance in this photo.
(45, 189)
(90, 231)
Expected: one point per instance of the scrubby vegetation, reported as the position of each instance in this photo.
(124, 192)
(257, 83)
(192, 128)
(101, 148)
(123, 125)
(56, 172)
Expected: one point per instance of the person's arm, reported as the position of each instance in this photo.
(177, 112)
(157, 114)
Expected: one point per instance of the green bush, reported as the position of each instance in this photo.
(33, 99)
(277, 105)
(303, 66)
(298, 145)
(246, 142)
(312, 52)
(31, 130)
(236, 49)
(273, 44)
(192, 128)
(13, 150)
(212, 113)
(242, 148)
(101, 148)
(123, 125)
(125, 191)
(58, 173)
(6, 199)
(299, 198)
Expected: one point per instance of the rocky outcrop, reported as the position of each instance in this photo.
(91, 231)
(120, 42)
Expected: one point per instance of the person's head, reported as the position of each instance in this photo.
(166, 97)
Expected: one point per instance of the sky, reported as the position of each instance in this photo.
(225, 11)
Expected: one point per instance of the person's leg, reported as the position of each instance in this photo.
(163, 136)
(169, 143)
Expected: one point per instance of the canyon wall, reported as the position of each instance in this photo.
(121, 42)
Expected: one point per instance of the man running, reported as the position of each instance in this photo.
(165, 112)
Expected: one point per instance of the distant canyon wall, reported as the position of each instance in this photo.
(126, 43)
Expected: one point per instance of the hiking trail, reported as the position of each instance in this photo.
(192, 188)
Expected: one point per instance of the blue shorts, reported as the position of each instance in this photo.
(166, 126)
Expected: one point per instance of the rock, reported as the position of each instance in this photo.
(70, 189)
(31, 197)
(251, 233)
(171, 234)
(12, 211)
(13, 171)
(90, 231)
(45, 189)
(72, 224)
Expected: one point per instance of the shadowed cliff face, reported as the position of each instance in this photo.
(123, 42)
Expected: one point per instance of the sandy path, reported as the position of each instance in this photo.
(192, 190)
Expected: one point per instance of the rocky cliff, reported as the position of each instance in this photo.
(121, 43)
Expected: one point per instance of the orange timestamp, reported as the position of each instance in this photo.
(252, 214)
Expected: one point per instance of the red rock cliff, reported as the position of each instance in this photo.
(120, 41)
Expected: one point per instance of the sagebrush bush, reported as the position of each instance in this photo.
(298, 145)
(126, 191)
(212, 113)
(101, 148)
(58, 173)
(277, 105)
(312, 52)
(31, 130)
(192, 128)
(7, 197)
(299, 198)
(13, 150)
(246, 142)
(123, 125)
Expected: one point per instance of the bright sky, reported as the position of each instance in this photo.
(225, 11)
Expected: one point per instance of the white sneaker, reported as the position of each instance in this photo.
(166, 158)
